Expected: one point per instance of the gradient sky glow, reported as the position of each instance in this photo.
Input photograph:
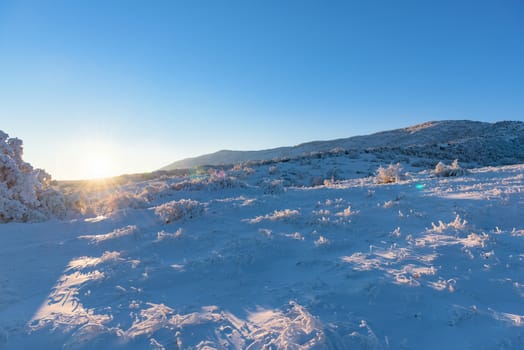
(151, 82)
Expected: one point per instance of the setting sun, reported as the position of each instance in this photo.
(98, 161)
(98, 166)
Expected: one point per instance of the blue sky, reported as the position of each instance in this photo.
(144, 83)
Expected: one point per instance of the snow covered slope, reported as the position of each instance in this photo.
(477, 142)
(256, 258)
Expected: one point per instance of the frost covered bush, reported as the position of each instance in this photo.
(272, 186)
(121, 200)
(390, 174)
(454, 169)
(189, 185)
(322, 241)
(211, 183)
(25, 193)
(153, 190)
(277, 215)
(163, 235)
(91, 199)
(216, 183)
(177, 210)
(456, 224)
(337, 151)
(242, 170)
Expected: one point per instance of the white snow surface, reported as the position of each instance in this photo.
(257, 258)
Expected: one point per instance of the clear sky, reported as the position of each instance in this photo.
(131, 86)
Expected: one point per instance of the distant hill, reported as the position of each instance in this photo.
(473, 142)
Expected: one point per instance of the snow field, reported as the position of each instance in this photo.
(427, 262)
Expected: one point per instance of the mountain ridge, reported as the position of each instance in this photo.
(443, 134)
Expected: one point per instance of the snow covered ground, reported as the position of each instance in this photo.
(260, 259)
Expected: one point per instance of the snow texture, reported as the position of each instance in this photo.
(305, 253)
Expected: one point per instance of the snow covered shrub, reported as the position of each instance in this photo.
(456, 224)
(188, 185)
(53, 202)
(272, 186)
(337, 151)
(442, 169)
(163, 235)
(347, 212)
(211, 183)
(286, 215)
(154, 190)
(390, 174)
(322, 241)
(177, 210)
(25, 193)
(129, 231)
(216, 183)
(242, 171)
(121, 200)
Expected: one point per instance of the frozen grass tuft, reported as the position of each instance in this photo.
(178, 210)
(444, 170)
(163, 235)
(456, 224)
(391, 174)
(215, 182)
(129, 230)
(285, 214)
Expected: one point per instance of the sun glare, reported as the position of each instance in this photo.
(98, 167)
(99, 163)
